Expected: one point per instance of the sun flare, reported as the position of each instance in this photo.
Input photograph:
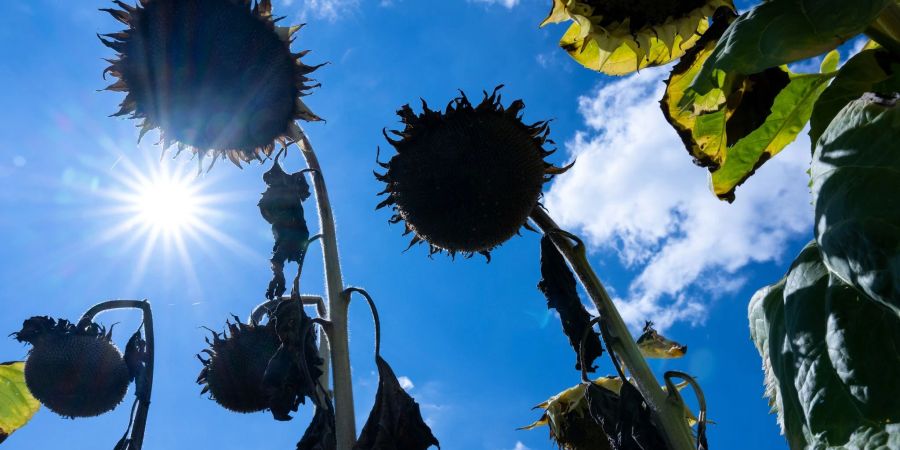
(167, 204)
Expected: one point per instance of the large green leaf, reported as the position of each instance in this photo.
(861, 74)
(777, 32)
(855, 185)
(17, 406)
(831, 359)
(735, 129)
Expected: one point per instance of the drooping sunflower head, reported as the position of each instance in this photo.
(73, 370)
(466, 179)
(618, 37)
(233, 374)
(214, 76)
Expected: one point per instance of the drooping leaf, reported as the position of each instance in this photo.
(281, 207)
(293, 371)
(778, 32)
(855, 183)
(395, 421)
(570, 422)
(654, 345)
(737, 126)
(321, 434)
(864, 72)
(17, 406)
(831, 359)
(558, 285)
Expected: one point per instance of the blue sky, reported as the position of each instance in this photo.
(475, 340)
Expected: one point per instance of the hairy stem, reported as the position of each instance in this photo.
(668, 413)
(338, 336)
(140, 418)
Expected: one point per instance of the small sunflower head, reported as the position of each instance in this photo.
(618, 37)
(215, 76)
(465, 180)
(73, 370)
(233, 374)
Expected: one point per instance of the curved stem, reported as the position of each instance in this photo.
(140, 418)
(675, 428)
(375, 318)
(345, 419)
(701, 402)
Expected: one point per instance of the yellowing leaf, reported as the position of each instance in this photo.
(17, 406)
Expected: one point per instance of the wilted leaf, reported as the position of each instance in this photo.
(321, 434)
(654, 345)
(395, 421)
(861, 74)
(778, 32)
(558, 285)
(831, 359)
(737, 126)
(293, 371)
(855, 185)
(17, 406)
(281, 206)
(570, 422)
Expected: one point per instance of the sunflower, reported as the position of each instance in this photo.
(465, 180)
(214, 76)
(618, 37)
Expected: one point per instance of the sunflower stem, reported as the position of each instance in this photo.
(338, 336)
(668, 413)
(140, 417)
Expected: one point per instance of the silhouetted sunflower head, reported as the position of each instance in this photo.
(215, 76)
(617, 37)
(233, 374)
(465, 180)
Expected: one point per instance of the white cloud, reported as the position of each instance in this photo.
(330, 10)
(520, 446)
(406, 383)
(508, 4)
(634, 190)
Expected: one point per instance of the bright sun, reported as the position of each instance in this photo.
(168, 204)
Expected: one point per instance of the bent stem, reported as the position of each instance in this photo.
(668, 413)
(338, 335)
(143, 408)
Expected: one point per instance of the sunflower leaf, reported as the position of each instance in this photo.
(864, 72)
(293, 371)
(17, 406)
(778, 32)
(733, 129)
(558, 285)
(281, 207)
(830, 357)
(395, 420)
(321, 434)
(855, 182)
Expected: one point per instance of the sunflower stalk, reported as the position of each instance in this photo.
(668, 410)
(136, 440)
(338, 305)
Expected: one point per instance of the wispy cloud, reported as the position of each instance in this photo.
(330, 10)
(520, 446)
(405, 383)
(508, 4)
(635, 191)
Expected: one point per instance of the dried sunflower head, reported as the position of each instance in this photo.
(466, 179)
(233, 374)
(73, 370)
(215, 76)
(618, 37)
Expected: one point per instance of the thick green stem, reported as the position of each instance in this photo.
(885, 30)
(338, 336)
(140, 417)
(669, 413)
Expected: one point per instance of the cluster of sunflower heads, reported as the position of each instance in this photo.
(618, 37)
(466, 179)
(73, 369)
(253, 367)
(215, 76)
